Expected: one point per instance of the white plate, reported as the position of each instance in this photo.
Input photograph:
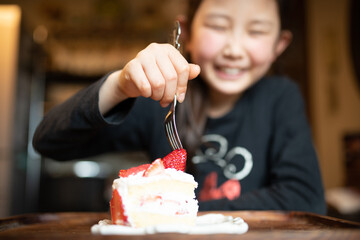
(205, 224)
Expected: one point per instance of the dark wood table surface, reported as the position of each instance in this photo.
(262, 225)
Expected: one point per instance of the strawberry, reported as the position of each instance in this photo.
(156, 167)
(117, 209)
(176, 159)
(133, 170)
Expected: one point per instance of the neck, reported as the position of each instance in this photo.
(221, 104)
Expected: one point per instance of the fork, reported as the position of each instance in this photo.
(170, 125)
(170, 128)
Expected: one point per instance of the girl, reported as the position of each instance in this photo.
(248, 141)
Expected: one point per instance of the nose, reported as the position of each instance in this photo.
(234, 47)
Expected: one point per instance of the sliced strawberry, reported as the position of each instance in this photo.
(176, 159)
(133, 170)
(117, 209)
(156, 167)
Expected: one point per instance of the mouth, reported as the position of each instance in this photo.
(229, 73)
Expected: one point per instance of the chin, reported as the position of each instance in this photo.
(233, 88)
(230, 92)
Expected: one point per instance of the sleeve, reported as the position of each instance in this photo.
(76, 128)
(295, 179)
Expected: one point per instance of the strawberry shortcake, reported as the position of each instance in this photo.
(160, 193)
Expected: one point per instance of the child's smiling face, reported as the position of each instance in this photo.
(235, 42)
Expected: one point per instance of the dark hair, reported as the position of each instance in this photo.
(193, 6)
(191, 115)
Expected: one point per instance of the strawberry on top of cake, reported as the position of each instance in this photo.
(154, 194)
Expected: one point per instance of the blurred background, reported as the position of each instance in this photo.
(51, 49)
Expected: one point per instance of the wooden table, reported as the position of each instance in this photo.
(263, 225)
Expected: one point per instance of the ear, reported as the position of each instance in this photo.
(283, 42)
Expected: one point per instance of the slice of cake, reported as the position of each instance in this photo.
(155, 194)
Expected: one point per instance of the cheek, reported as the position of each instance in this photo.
(261, 52)
(206, 45)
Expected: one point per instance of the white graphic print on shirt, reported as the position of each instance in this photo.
(223, 157)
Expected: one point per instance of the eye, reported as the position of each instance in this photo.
(217, 22)
(216, 27)
(257, 32)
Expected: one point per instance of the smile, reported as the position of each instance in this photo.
(230, 73)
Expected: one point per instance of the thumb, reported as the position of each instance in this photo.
(194, 70)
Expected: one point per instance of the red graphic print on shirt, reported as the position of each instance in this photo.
(230, 189)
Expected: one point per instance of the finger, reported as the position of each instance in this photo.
(182, 68)
(135, 81)
(154, 76)
(171, 77)
(194, 70)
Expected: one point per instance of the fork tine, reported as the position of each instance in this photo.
(176, 135)
(170, 135)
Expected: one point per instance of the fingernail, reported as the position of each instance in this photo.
(198, 68)
(181, 97)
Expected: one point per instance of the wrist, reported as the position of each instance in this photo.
(110, 93)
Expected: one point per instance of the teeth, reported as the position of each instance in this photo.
(231, 71)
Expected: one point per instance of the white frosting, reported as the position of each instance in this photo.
(206, 224)
(169, 173)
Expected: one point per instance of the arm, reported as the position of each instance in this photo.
(294, 176)
(84, 125)
(76, 128)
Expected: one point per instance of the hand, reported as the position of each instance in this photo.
(159, 72)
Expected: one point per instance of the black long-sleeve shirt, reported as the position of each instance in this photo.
(259, 156)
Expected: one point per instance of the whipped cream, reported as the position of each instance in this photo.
(169, 173)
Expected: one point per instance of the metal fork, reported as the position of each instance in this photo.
(170, 128)
(170, 125)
